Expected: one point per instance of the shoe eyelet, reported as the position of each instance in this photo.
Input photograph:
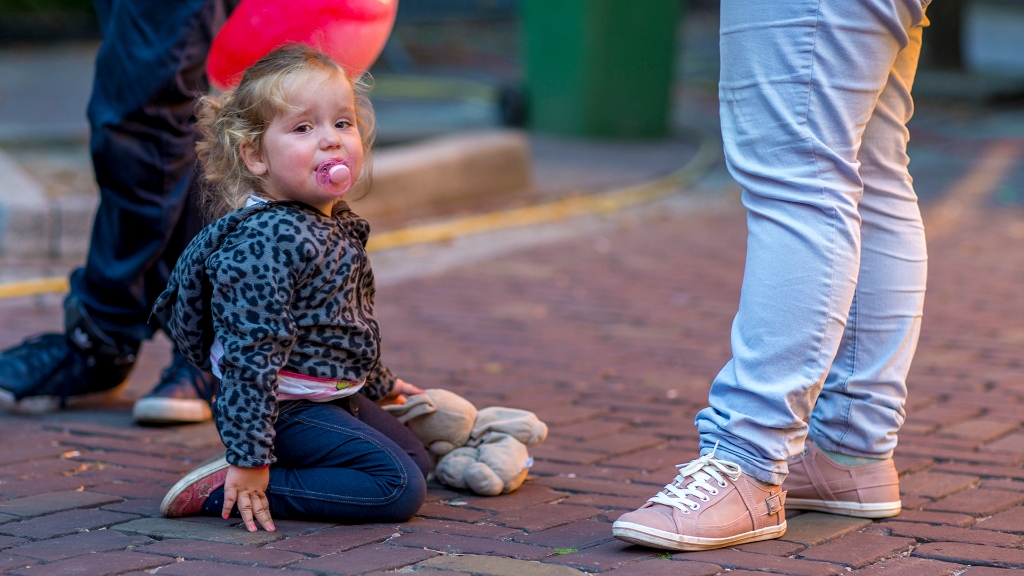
(695, 507)
(723, 484)
(705, 499)
(713, 492)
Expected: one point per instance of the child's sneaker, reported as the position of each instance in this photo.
(817, 482)
(186, 498)
(710, 504)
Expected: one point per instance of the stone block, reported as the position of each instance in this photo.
(453, 544)
(61, 523)
(773, 547)
(459, 528)
(972, 554)
(1010, 485)
(580, 534)
(205, 568)
(163, 528)
(338, 539)
(598, 486)
(1012, 443)
(935, 484)
(447, 512)
(495, 566)
(978, 502)
(604, 557)
(1011, 520)
(907, 566)
(858, 549)
(101, 564)
(813, 528)
(527, 495)
(980, 429)
(40, 504)
(544, 516)
(745, 560)
(553, 452)
(985, 471)
(80, 544)
(929, 533)
(364, 559)
(221, 552)
(960, 520)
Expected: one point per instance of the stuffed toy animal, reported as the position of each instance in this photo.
(495, 461)
(442, 420)
(483, 451)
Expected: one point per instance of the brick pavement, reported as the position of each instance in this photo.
(613, 343)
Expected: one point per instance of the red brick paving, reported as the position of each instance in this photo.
(617, 348)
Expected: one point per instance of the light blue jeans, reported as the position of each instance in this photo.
(815, 97)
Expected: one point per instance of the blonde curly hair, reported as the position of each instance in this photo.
(242, 115)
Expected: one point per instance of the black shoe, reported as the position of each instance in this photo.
(183, 395)
(48, 372)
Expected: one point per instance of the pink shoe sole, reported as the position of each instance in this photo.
(187, 496)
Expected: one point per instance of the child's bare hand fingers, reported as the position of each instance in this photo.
(230, 495)
(245, 509)
(261, 510)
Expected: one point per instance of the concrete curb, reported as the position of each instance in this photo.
(443, 170)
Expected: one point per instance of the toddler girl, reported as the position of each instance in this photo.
(276, 299)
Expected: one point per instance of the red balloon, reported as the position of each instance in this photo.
(352, 32)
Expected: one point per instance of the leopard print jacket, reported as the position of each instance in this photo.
(283, 287)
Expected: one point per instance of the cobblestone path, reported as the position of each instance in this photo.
(613, 342)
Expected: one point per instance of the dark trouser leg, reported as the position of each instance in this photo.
(382, 421)
(149, 72)
(335, 467)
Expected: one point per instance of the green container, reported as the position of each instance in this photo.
(599, 67)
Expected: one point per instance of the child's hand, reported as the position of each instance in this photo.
(397, 395)
(248, 486)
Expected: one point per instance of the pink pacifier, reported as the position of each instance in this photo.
(333, 172)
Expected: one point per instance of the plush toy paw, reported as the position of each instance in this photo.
(497, 466)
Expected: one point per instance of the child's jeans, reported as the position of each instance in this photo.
(815, 97)
(345, 461)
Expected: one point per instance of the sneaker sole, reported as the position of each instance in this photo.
(869, 510)
(205, 469)
(36, 405)
(647, 536)
(156, 410)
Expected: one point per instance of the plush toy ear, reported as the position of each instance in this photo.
(522, 425)
(414, 407)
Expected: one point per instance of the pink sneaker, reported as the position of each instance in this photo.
(817, 482)
(710, 504)
(186, 498)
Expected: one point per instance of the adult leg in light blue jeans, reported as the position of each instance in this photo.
(815, 97)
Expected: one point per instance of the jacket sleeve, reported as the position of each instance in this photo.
(252, 280)
(379, 383)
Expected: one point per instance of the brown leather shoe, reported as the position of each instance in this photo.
(710, 504)
(817, 482)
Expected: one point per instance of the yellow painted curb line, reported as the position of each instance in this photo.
(56, 284)
(705, 158)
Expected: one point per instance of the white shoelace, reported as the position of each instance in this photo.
(702, 470)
